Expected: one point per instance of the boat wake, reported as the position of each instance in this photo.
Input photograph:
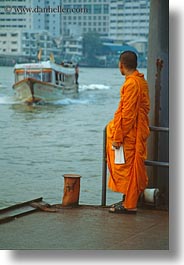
(93, 87)
(6, 100)
(69, 101)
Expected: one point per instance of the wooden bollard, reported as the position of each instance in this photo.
(71, 190)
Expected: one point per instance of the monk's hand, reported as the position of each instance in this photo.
(116, 145)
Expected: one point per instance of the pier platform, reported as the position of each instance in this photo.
(87, 228)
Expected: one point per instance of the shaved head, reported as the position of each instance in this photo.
(128, 59)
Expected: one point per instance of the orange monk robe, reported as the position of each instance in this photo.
(130, 126)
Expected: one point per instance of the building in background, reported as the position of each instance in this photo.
(10, 42)
(30, 15)
(129, 23)
(47, 16)
(129, 20)
(21, 45)
(34, 40)
(10, 18)
(116, 21)
(94, 18)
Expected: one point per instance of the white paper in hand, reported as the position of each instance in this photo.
(119, 156)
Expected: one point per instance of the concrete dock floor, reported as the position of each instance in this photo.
(87, 228)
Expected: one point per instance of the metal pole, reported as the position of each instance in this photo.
(104, 169)
(159, 65)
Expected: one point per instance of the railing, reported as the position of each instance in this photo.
(147, 162)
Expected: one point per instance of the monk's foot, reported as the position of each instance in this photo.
(122, 210)
(118, 203)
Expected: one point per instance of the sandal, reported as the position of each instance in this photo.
(118, 203)
(122, 210)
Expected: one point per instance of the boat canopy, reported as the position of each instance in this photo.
(69, 70)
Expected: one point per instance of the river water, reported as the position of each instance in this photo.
(40, 143)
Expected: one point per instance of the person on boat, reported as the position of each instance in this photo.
(76, 73)
(129, 129)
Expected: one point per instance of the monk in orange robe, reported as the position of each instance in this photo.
(129, 128)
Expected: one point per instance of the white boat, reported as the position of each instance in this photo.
(44, 81)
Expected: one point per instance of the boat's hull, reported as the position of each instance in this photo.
(31, 90)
